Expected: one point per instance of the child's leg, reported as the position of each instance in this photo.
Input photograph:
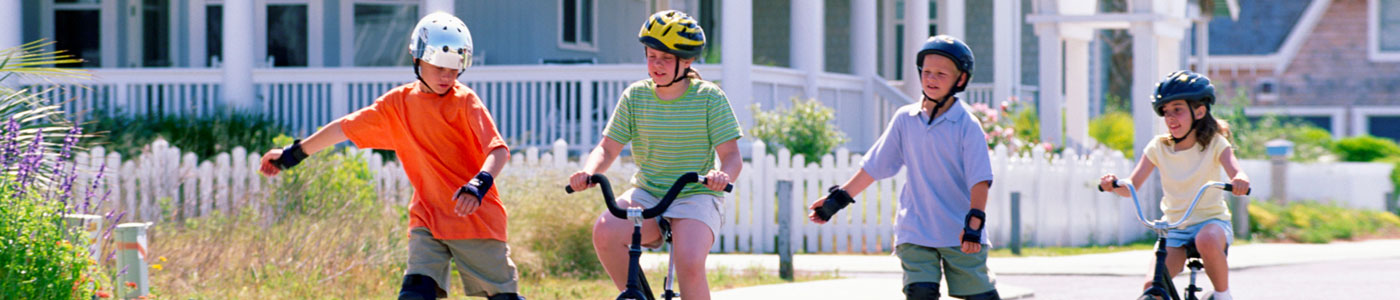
(485, 268)
(691, 242)
(1176, 260)
(612, 237)
(968, 275)
(1211, 242)
(429, 263)
(921, 271)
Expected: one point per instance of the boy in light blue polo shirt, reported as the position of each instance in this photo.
(938, 228)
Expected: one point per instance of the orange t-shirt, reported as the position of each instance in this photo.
(442, 142)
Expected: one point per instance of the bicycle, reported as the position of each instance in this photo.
(637, 286)
(1162, 285)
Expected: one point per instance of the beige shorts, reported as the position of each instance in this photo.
(702, 207)
(484, 264)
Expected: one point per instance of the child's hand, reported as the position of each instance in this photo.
(813, 208)
(579, 181)
(1106, 182)
(1241, 183)
(466, 203)
(716, 180)
(970, 247)
(267, 168)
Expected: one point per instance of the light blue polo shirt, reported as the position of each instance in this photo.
(945, 159)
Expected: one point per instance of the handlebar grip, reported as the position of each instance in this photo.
(568, 189)
(1115, 185)
(1231, 188)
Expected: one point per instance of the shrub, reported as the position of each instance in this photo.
(205, 136)
(1312, 222)
(1365, 148)
(1248, 137)
(332, 183)
(1114, 130)
(804, 129)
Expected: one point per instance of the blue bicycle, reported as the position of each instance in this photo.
(1162, 286)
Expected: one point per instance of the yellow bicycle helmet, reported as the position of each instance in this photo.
(673, 32)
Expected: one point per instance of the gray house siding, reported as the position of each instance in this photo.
(506, 37)
(838, 36)
(770, 32)
(979, 38)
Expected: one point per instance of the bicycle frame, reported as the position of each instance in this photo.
(637, 286)
(1162, 285)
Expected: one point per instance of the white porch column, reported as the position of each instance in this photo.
(1050, 81)
(863, 62)
(238, 55)
(1004, 78)
(431, 6)
(10, 18)
(736, 47)
(953, 15)
(1076, 91)
(915, 33)
(1203, 46)
(808, 42)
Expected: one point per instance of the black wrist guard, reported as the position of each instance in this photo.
(291, 156)
(836, 199)
(478, 186)
(974, 235)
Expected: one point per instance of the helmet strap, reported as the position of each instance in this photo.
(677, 77)
(938, 104)
(1192, 127)
(425, 82)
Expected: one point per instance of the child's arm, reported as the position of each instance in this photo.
(1232, 168)
(599, 160)
(273, 162)
(469, 196)
(979, 203)
(1144, 168)
(730, 163)
(853, 187)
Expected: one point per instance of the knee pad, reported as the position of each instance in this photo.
(418, 287)
(921, 291)
(506, 296)
(989, 295)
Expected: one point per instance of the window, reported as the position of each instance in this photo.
(214, 34)
(286, 35)
(1384, 28)
(1384, 126)
(380, 33)
(155, 33)
(77, 29)
(576, 25)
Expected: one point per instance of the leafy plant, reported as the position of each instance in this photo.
(1114, 130)
(205, 136)
(804, 129)
(1365, 148)
(335, 182)
(1249, 136)
(40, 257)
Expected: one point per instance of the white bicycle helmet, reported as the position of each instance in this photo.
(442, 40)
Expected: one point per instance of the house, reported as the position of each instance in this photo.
(552, 69)
(1333, 63)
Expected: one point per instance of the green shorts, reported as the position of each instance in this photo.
(484, 264)
(967, 273)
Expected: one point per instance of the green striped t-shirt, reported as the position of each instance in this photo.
(670, 138)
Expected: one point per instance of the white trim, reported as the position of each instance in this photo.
(107, 14)
(1300, 32)
(1361, 117)
(591, 46)
(198, 26)
(347, 26)
(1337, 115)
(1373, 42)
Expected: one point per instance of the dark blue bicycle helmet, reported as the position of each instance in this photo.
(1183, 85)
(953, 49)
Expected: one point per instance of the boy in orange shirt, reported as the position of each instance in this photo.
(450, 150)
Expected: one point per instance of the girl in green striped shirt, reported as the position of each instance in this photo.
(676, 123)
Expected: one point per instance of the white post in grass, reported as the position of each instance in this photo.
(131, 260)
(84, 229)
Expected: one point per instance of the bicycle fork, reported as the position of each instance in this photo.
(1195, 265)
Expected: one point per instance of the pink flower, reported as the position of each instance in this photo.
(1048, 147)
(1004, 106)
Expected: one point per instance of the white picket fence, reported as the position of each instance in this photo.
(1059, 205)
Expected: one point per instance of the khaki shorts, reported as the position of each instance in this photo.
(702, 207)
(484, 264)
(967, 273)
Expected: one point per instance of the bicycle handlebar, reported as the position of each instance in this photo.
(621, 213)
(1142, 218)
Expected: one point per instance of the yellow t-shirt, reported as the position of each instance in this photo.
(1183, 173)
